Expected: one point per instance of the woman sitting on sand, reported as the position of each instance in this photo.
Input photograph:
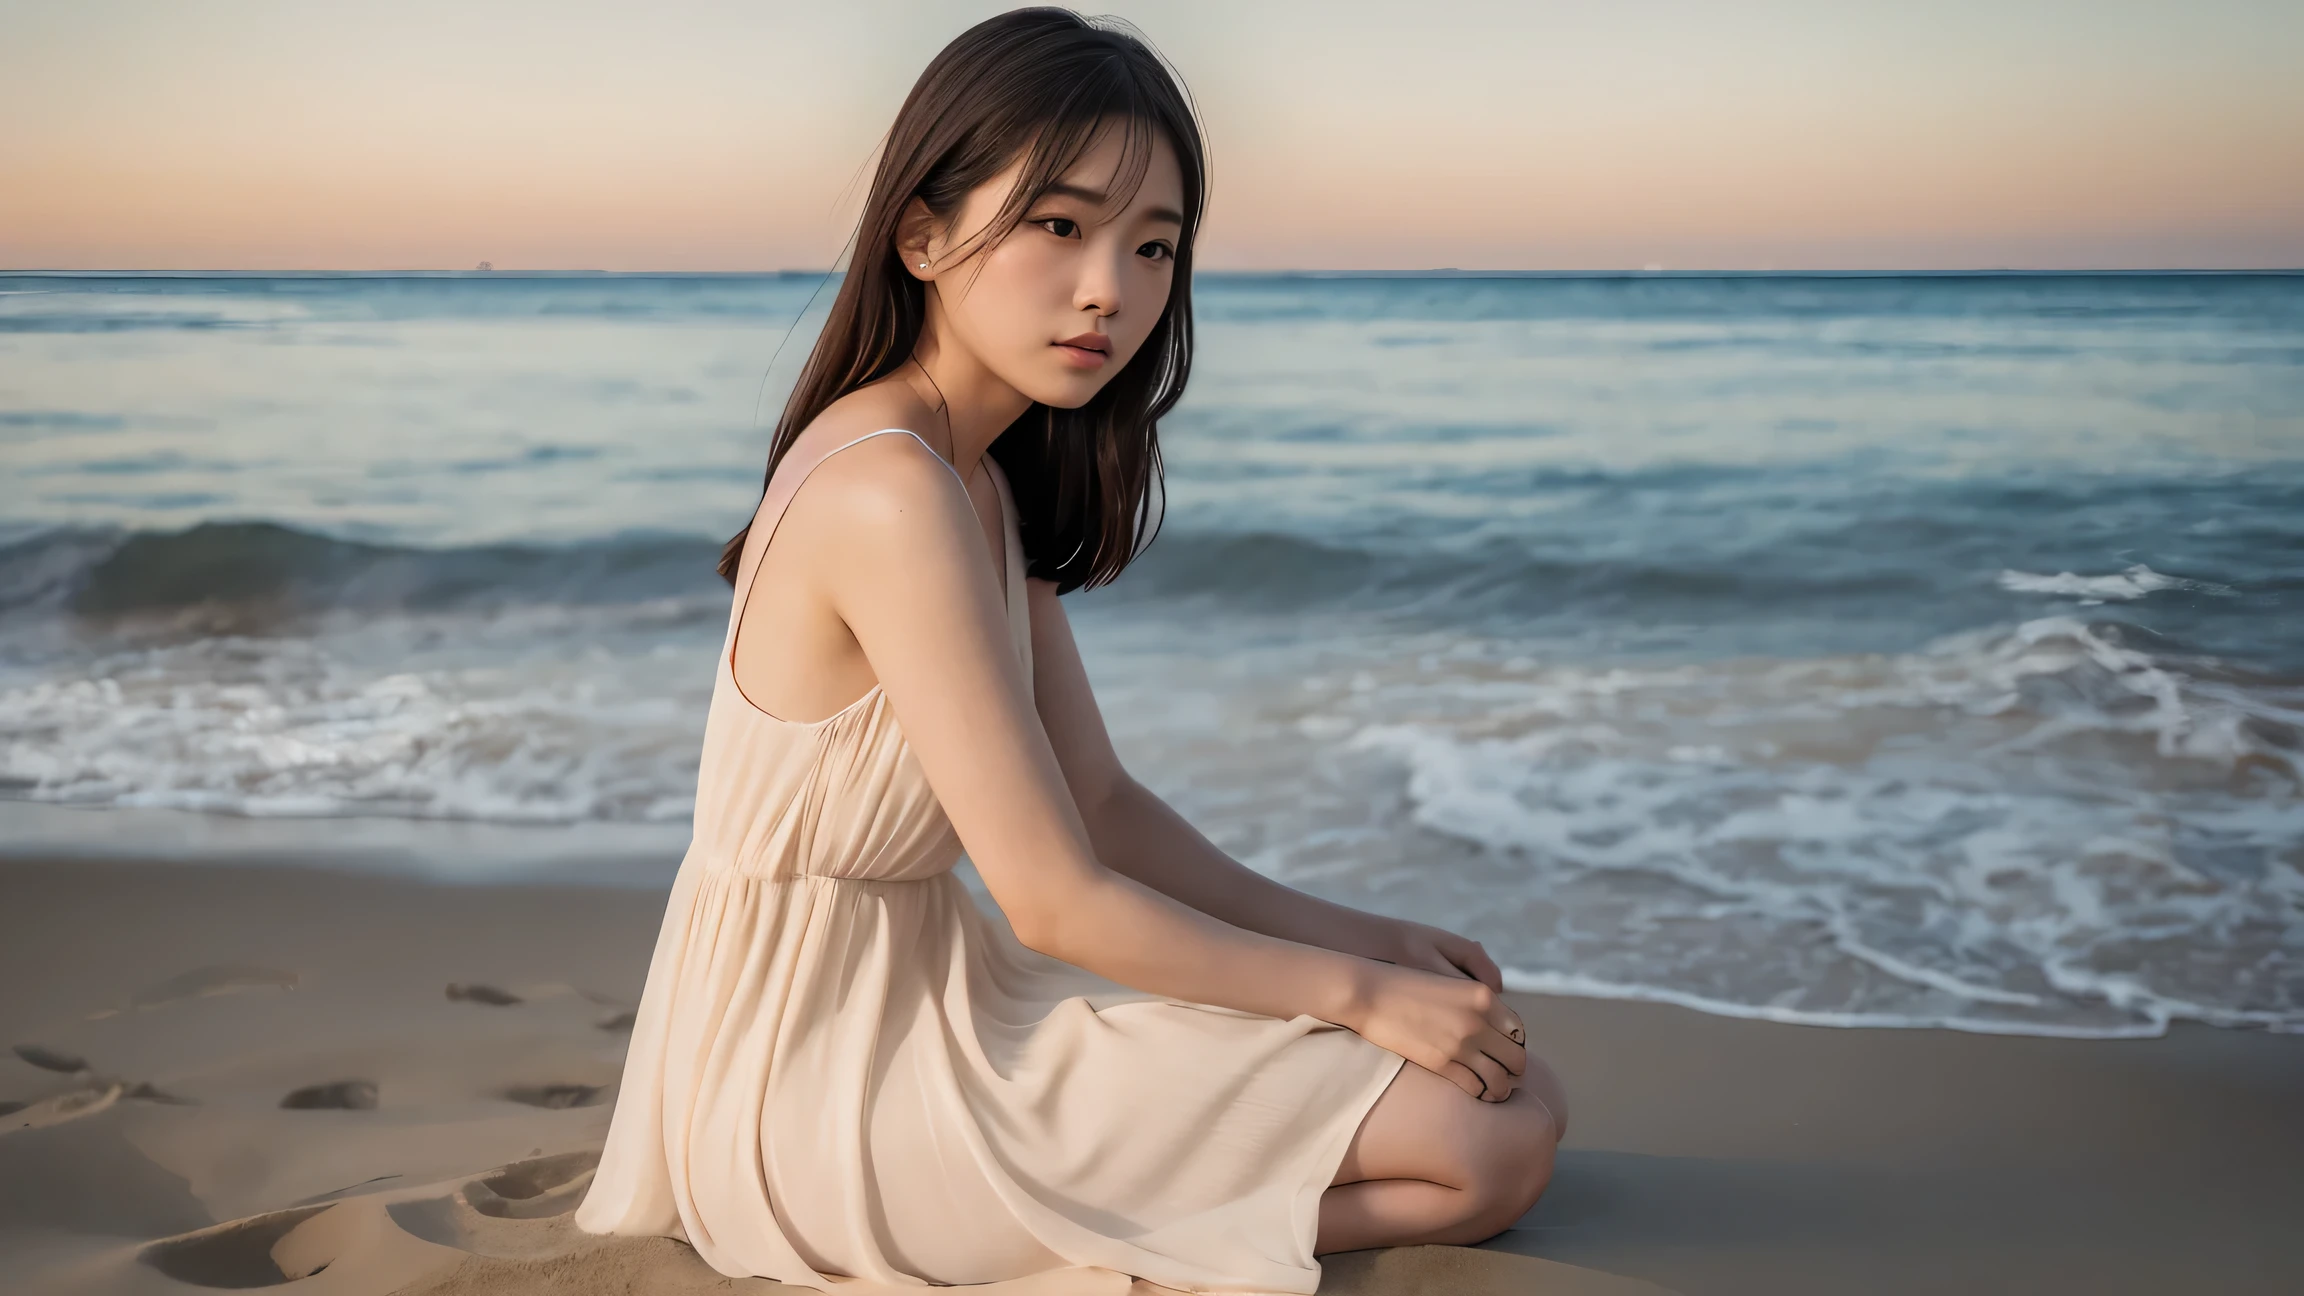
(1163, 1063)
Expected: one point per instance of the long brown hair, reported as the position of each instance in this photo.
(1036, 83)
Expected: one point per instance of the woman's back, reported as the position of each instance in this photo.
(839, 796)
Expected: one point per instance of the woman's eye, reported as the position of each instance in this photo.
(1157, 251)
(1067, 223)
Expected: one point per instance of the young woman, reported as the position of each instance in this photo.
(1162, 1063)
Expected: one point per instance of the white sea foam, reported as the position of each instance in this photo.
(2032, 829)
(1573, 985)
(2134, 583)
(381, 724)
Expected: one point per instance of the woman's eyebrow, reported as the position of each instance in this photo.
(1098, 198)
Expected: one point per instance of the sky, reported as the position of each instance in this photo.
(727, 135)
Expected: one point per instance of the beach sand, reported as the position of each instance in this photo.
(447, 1057)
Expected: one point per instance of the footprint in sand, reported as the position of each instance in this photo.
(556, 1096)
(215, 979)
(618, 1020)
(236, 1253)
(561, 989)
(99, 1095)
(60, 1108)
(96, 1093)
(335, 1194)
(514, 1211)
(336, 1095)
(533, 1189)
(48, 1059)
(355, 1240)
(480, 993)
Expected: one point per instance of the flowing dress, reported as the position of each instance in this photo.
(842, 1068)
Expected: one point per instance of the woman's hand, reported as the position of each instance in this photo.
(1450, 1025)
(1431, 949)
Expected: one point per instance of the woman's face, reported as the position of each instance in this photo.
(1066, 299)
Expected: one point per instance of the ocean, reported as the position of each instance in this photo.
(1859, 650)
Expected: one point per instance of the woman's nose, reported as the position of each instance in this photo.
(1101, 277)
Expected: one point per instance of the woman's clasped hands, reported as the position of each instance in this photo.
(1440, 1004)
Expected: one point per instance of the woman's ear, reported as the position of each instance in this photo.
(915, 239)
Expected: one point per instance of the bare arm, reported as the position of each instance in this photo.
(910, 579)
(1136, 833)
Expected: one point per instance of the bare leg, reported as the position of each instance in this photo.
(1431, 1163)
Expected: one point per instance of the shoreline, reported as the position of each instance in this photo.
(643, 857)
(1706, 1153)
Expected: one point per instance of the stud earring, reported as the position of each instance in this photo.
(923, 265)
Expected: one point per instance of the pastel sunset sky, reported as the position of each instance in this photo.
(728, 135)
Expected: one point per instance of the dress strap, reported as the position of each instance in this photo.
(786, 483)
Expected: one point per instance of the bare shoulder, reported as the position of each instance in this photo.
(882, 506)
(881, 478)
(871, 476)
(882, 405)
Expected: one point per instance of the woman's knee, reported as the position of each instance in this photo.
(1497, 1155)
(1506, 1169)
(1544, 1083)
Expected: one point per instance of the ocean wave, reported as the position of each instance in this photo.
(547, 722)
(1276, 569)
(62, 420)
(72, 322)
(103, 571)
(2036, 829)
(1820, 589)
(1579, 986)
(2134, 583)
(197, 303)
(278, 569)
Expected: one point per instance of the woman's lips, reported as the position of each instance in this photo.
(1085, 350)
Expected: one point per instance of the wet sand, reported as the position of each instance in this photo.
(447, 1057)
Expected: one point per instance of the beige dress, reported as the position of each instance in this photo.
(842, 1067)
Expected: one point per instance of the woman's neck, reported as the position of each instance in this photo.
(973, 404)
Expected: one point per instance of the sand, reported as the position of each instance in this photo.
(334, 1082)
